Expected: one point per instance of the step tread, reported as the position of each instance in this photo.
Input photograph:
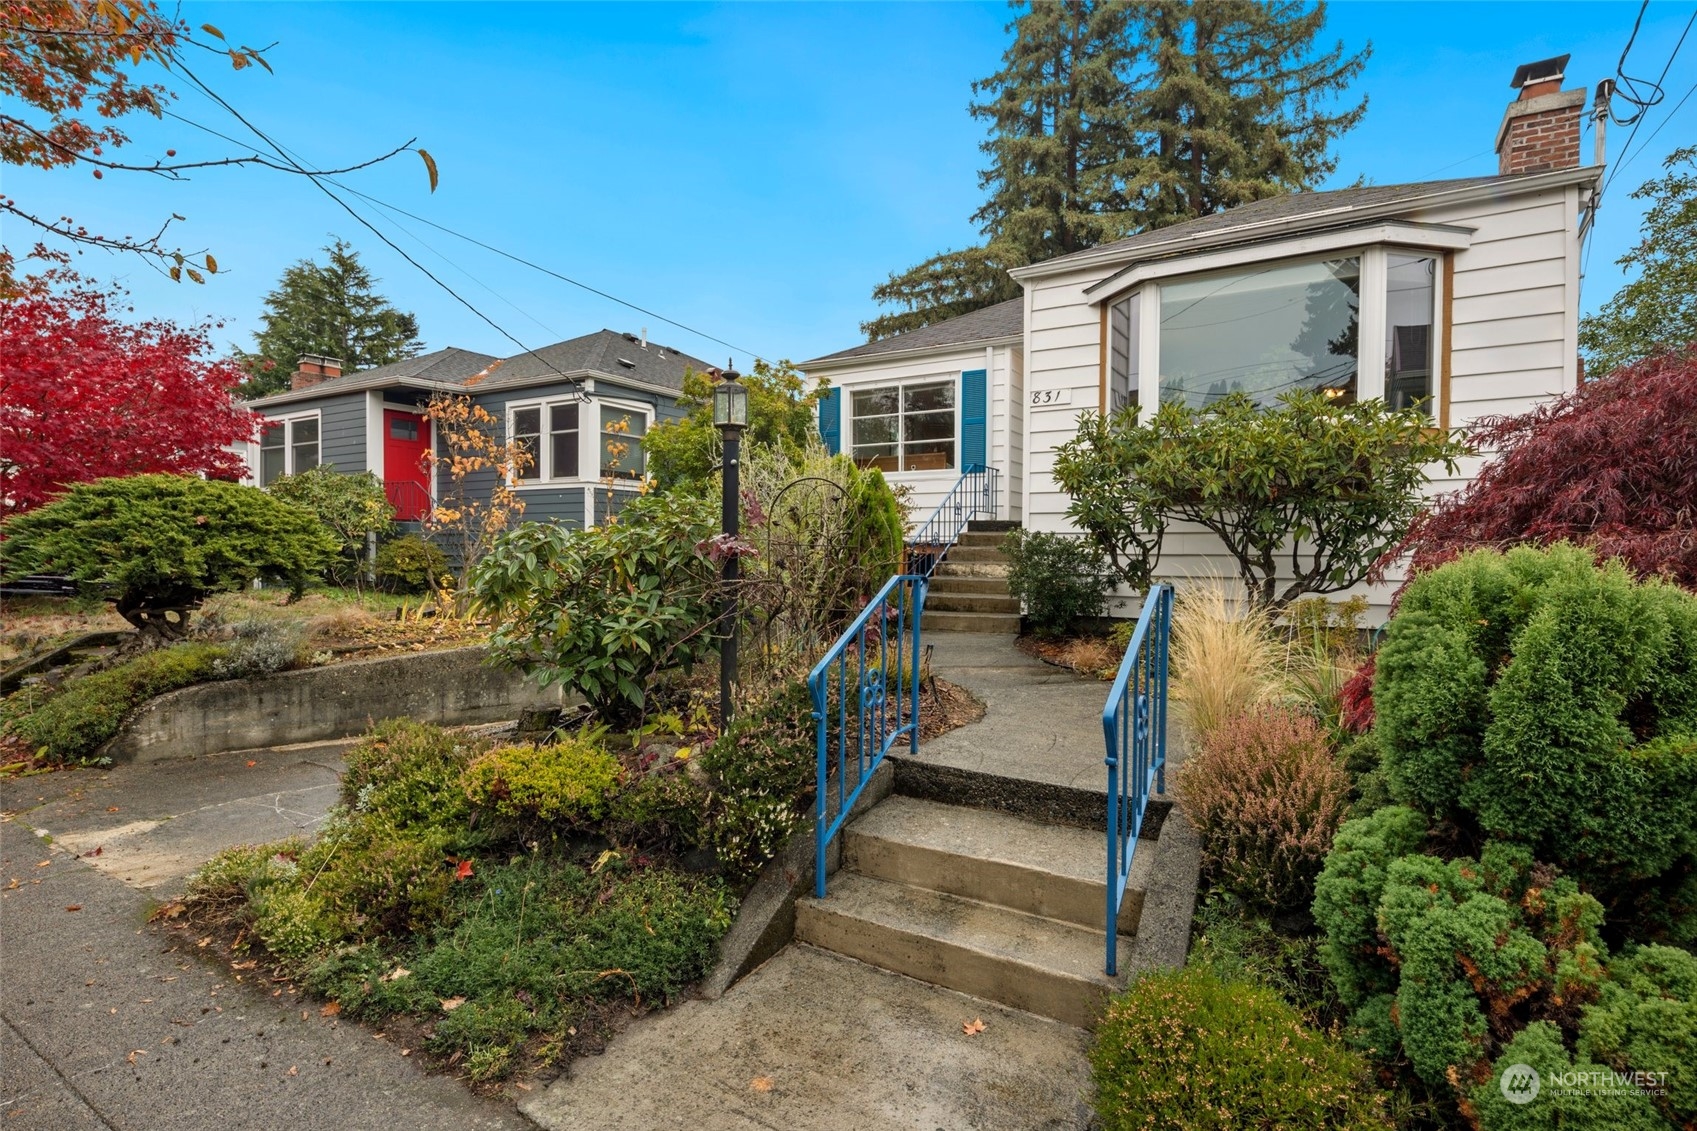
(986, 834)
(1049, 946)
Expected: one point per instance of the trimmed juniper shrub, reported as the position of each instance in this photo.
(1645, 1020)
(72, 724)
(1541, 698)
(1180, 1048)
(1347, 895)
(567, 783)
(1539, 1047)
(1266, 793)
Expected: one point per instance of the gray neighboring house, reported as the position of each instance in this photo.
(568, 403)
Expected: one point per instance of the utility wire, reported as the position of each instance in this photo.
(393, 208)
(1630, 88)
(1638, 119)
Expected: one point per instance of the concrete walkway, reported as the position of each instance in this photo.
(106, 1022)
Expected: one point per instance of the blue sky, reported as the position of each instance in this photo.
(750, 169)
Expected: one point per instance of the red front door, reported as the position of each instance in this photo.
(406, 471)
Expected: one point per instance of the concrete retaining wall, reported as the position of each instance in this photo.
(451, 688)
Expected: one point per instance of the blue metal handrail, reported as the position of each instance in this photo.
(972, 496)
(868, 720)
(1134, 723)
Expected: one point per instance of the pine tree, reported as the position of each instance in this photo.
(330, 309)
(1109, 118)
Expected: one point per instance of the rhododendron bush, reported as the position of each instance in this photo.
(85, 395)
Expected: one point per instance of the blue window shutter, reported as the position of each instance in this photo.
(831, 420)
(974, 418)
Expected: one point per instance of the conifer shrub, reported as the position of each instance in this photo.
(1540, 1047)
(409, 564)
(1180, 1048)
(1266, 793)
(73, 724)
(1541, 698)
(409, 773)
(1645, 1020)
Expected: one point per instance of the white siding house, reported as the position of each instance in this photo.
(1459, 296)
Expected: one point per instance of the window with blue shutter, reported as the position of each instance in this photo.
(831, 420)
(974, 419)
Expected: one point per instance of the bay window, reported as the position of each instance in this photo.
(288, 447)
(1269, 329)
(908, 427)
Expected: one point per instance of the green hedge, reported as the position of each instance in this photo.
(73, 724)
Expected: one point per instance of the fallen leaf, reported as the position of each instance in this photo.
(972, 1028)
(330, 1009)
(248, 965)
(13, 885)
(207, 941)
(761, 1083)
(98, 849)
(111, 808)
(406, 1052)
(521, 1085)
(253, 763)
(449, 1004)
(135, 1053)
(73, 907)
(395, 975)
(463, 870)
(294, 1070)
(44, 863)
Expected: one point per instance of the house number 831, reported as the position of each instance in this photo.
(1042, 398)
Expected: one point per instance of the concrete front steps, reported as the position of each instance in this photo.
(982, 902)
(969, 591)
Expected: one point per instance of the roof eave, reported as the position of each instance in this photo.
(356, 385)
(1248, 233)
(832, 361)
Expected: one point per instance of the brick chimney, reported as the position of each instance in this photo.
(313, 368)
(1540, 130)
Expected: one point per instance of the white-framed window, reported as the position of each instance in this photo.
(622, 430)
(1266, 329)
(288, 445)
(570, 441)
(912, 426)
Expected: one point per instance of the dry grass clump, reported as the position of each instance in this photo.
(1225, 660)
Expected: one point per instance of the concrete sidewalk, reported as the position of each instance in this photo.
(107, 1022)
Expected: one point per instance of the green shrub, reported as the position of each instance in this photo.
(352, 507)
(408, 773)
(1060, 579)
(1266, 793)
(409, 564)
(762, 768)
(1645, 1020)
(1183, 1049)
(159, 545)
(1539, 1047)
(569, 782)
(1346, 900)
(1241, 945)
(604, 610)
(1541, 698)
(261, 647)
(664, 810)
(89, 710)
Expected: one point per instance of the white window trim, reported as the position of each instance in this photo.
(845, 442)
(1371, 368)
(634, 408)
(588, 438)
(288, 425)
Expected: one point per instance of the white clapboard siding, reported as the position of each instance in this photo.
(1514, 341)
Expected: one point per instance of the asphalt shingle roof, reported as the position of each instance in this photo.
(604, 351)
(1004, 320)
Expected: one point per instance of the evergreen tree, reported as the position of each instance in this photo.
(330, 309)
(1109, 118)
(1657, 311)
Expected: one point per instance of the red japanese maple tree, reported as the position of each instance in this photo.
(85, 395)
(1611, 465)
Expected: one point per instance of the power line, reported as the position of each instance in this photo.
(1671, 114)
(1638, 119)
(294, 160)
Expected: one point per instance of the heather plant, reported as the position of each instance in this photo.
(567, 783)
(761, 769)
(1181, 1048)
(1266, 793)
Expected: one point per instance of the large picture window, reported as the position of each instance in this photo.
(905, 427)
(288, 447)
(550, 433)
(1264, 331)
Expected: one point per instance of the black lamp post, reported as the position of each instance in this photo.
(730, 416)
